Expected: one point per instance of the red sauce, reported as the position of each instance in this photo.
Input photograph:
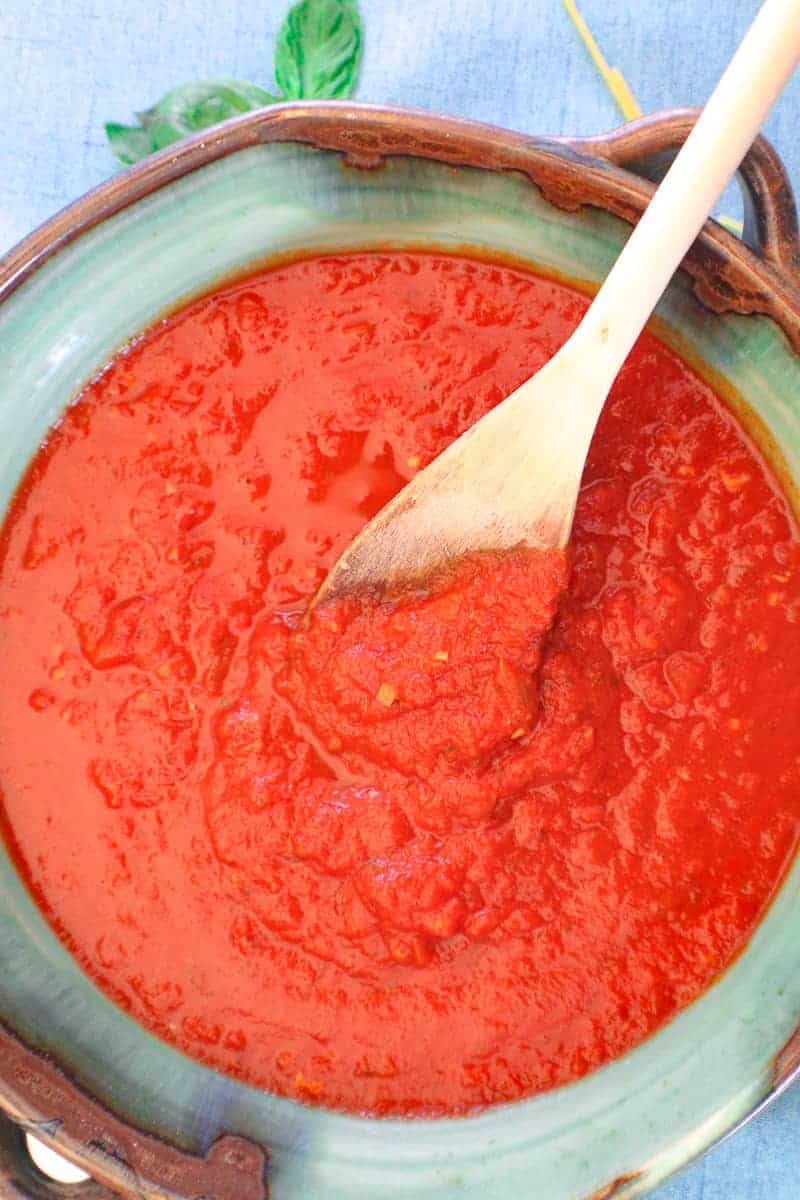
(417, 855)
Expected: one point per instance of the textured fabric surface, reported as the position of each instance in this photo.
(68, 65)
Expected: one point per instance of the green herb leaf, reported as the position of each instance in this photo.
(318, 50)
(202, 103)
(128, 142)
(185, 110)
(316, 56)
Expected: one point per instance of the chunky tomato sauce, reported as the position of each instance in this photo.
(410, 856)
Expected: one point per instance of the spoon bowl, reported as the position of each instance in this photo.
(485, 492)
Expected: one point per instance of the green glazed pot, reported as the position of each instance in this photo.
(144, 1120)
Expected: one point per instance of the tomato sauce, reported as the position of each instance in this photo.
(417, 854)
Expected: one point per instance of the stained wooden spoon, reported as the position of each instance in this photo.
(512, 479)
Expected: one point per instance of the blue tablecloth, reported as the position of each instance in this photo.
(68, 65)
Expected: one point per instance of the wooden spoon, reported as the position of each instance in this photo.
(512, 479)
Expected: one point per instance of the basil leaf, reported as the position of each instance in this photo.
(318, 50)
(202, 103)
(128, 142)
(185, 110)
(317, 55)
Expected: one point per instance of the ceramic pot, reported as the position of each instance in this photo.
(141, 1118)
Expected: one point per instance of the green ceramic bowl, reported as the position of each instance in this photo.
(138, 1115)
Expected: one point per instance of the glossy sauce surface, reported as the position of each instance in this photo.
(417, 856)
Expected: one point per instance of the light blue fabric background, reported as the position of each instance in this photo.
(68, 65)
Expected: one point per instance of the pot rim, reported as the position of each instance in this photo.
(611, 171)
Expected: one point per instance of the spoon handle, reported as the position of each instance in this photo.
(698, 176)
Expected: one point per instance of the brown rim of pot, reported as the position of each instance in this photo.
(611, 171)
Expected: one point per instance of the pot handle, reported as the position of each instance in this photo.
(21, 1179)
(648, 145)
